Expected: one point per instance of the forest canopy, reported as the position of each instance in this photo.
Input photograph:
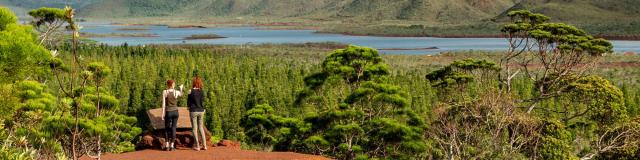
(66, 99)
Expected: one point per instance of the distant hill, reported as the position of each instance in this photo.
(598, 16)
(31, 4)
(439, 10)
(584, 10)
(444, 11)
(21, 7)
(450, 11)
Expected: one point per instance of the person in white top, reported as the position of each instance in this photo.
(170, 113)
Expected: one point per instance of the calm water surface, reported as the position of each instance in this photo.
(253, 35)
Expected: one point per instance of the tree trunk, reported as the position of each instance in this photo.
(99, 150)
(75, 132)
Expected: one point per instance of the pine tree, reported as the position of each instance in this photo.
(373, 120)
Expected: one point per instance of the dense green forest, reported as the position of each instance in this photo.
(569, 99)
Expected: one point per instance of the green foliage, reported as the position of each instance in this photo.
(460, 72)
(46, 126)
(487, 126)
(373, 120)
(56, 64)
(463, 80)
(260, 125)
(39, 122)
(36, 104)
(526, 15)
(8, 104)
(627, 152)
(556, 141)
(34, 96)
(115, 130)
(600, 100)
(357, 107)
(268, 130)
(47, 15)
(562, 50)
(99, 70)
(16, 154)
(566, 38)
(492, 120)
(238, 79)
(20, 55)
(48, 23)
(588, 105)
(6, 18)
(355, 64)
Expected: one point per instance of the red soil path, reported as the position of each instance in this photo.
(213, 153)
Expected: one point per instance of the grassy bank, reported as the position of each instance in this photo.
(203, 36)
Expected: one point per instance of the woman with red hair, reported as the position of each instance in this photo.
(196, 112)
(170, 113)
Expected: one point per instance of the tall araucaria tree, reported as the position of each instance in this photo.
(373, 120)
(49, 22)
(81, 87)
(547, 53)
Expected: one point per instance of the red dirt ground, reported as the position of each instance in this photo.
(213, 153)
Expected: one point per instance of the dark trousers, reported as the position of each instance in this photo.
(170, 124)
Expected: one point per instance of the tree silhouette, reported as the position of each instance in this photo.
(373, 120)
(547, 53)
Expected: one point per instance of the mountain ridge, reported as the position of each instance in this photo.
(369, 17)
(443, 11)
(439, 11)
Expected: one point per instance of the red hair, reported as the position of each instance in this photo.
(197, 83)
(170, 83)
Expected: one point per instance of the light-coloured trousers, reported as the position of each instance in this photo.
(197, 125)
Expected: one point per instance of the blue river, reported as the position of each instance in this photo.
(254, 35)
